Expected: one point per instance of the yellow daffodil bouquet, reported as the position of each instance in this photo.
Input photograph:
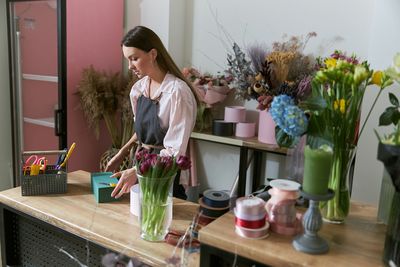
(338, 89)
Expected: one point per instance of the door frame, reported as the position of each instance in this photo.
(60, 116)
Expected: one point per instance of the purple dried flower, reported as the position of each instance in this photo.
(304, 87)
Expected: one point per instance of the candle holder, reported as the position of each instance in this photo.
(310, 242)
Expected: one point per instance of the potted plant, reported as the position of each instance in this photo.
(105, 96)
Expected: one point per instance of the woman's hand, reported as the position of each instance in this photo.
(127, 179)
(115, 162)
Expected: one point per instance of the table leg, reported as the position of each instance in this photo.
(242, 171)
(256, 170)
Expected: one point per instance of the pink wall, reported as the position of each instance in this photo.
(94, 32)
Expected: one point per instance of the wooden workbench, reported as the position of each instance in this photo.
(357, 242)
(76, 213)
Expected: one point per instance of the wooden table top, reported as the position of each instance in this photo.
(251, 142)
(357, 242)
(108, 224)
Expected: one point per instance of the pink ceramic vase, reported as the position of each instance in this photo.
(266, 128)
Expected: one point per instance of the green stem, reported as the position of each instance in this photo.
(370, 111)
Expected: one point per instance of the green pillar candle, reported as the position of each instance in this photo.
(317, 168)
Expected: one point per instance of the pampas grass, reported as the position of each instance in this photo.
(105, 96)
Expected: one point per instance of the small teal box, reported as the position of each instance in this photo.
(100, 186)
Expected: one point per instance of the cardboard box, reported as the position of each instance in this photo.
(101, 184)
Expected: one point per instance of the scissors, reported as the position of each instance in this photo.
(34, 164)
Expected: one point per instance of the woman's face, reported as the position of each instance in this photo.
(140, 62)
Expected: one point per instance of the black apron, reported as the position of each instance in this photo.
(149, 132)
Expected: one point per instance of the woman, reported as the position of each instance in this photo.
(163, 102)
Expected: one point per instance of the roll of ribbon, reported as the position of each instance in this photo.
(252, 206)
(282, 194)
(235, 114)
(216, 199)
(135, 205)
(248, 217)
(211, 211)
(288, 230)
(286, 185)
(245, 129)
(203, 219)
(222, 128)
(259, 233)
(250, 224)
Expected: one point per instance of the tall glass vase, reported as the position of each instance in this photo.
(391, 252)
(155, 214)
(337, 209)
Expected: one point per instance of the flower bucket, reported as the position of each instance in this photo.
(155, 214)
(266, 128)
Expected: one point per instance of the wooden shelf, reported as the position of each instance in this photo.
(252, 142)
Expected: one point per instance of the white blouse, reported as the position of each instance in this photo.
(177, 111)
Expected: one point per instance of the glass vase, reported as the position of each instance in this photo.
(155, 214)
(391, 251)
(337, 209)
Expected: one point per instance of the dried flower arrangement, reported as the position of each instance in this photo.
(284, 69)
(210, 89)
(102, 96)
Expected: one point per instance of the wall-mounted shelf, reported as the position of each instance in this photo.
(44, 78)
(47, 122)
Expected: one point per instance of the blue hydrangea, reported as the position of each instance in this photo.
(289, 117)
(278, 106)
(295, 121)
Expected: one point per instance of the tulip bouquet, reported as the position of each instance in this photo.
(156, 175)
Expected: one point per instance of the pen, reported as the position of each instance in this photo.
(68, 155)
(61, 158)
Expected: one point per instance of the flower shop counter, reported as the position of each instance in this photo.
(62, 229)
(245, 144)
(357, 242)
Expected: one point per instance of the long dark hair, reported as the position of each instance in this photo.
(145, 39)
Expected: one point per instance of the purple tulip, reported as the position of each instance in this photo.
(183, 162)
(145, 167)
(166, 162)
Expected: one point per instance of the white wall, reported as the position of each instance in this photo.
(5, 114)
(384, 43)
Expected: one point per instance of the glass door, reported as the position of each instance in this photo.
(36, 32)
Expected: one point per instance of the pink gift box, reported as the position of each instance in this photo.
(245, 129)
(235, 114)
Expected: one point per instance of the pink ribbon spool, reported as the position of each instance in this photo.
(259, 233)
(245, 129)
(250, 207)
(235, 114)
